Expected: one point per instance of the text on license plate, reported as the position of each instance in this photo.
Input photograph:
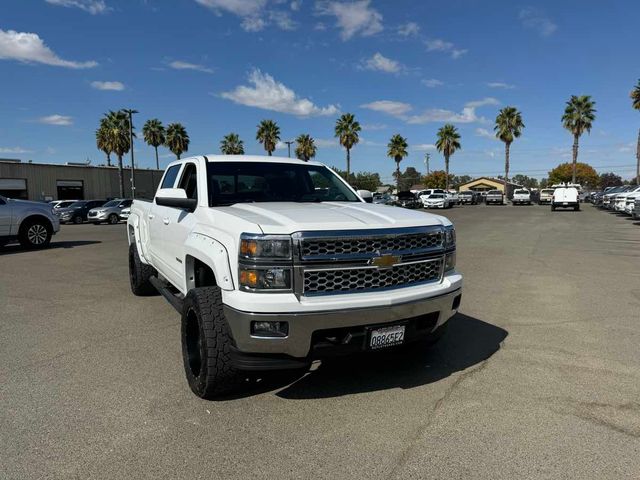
(386, 337)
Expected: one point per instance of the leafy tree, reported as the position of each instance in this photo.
(508, 127)
(610, 179)
(397, 149)
(102, 139)
(117, 135)
(405, 180)
(232, 145)
(177, 139)
(367, 181)
(525, 181)
(347, 131)
(448, 143)
(268, 135)
(579, 115)
(437, 179)
(305, 147)
(544, 183)
(635, 98)
(459, 180)
(585, 174)
(154, 135)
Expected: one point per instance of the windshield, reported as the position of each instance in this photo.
(436, 195)
(77, 204)
(494, 192)
(247, 182)
(547, 191)
(112, 203)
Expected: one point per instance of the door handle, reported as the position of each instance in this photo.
(165, 220)
(150, 216)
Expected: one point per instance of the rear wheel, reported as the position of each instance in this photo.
(206, 345)
(35, 233)
(553, 207)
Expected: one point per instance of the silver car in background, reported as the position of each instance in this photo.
(31, 223)
(109, 212)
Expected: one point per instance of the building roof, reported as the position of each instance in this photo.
(495, 183)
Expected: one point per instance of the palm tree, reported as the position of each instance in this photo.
(578, 117)
(447, 144)
(635, 97)
(347, 130)
(232, 145)
(306, 147)
(397, 149)
(154, 133)
(177, 139)
(268, 135)
(508, 127)
(117, 134)
(102, 140)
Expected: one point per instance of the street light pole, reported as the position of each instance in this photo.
(133, 165)
(289, 142)
(427, 156)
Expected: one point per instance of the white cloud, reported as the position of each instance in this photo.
(432, 82)
(295, 5)
(506, 86)
(117, 86)
(94, 7)
(483, 132)
(326, 142)
(423, 147)
(60, 120)
(353, 18)
(401, 110)
(180, 65)
(396, 109)
(373, 126)
(14, 150)
(381, 63)
(266, 93)
(29, 48)
(254, 13)
(629, 147)
(409, 29)
(439, 45)
(534, 19)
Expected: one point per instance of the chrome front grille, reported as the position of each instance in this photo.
(368, 245)
(355, 279)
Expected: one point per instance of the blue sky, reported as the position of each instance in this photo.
(401, 67)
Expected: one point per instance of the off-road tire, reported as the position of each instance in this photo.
(35, 233)
(139, 274)
(553, 208)
(113, 219)
(206, 345)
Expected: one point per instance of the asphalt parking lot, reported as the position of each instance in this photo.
(538, 377)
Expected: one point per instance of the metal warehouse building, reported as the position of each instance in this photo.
(49, 181)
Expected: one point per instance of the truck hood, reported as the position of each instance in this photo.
(289, 217)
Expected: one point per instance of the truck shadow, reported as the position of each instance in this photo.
(467, 342)
(17, 248)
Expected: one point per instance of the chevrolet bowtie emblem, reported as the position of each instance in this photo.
(385, 261)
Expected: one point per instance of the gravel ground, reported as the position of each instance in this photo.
(538, 376)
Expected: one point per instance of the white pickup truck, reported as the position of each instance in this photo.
(274, 262)
(521, 196)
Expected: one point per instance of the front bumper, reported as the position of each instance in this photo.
(306, 329)
(101, 217)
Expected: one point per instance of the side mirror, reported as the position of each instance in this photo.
(366, 195)
(176, 198)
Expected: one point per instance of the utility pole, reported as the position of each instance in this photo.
(427, 156)
(289, 142)
(133, 165)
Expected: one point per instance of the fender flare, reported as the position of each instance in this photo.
(133, 236)
(212, 253)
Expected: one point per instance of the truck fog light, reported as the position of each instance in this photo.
(270, 329)
(450, 261)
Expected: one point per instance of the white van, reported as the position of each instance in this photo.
(565, 197)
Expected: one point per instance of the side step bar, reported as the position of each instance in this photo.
(164, 290)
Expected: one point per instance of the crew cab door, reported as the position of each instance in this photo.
(170, 227)
(5, 217)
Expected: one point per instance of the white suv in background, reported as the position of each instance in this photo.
(521, 196)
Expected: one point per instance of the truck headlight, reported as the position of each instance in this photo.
(273, 278)
(449, 237)
(265, 247)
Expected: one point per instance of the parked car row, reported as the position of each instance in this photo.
(623, 199)
(93, 211)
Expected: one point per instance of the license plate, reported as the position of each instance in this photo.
(386, 337)
(564, 203)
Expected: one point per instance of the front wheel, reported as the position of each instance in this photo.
(113, 219)
(77, 220)
(206, 345)
(35, 234)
